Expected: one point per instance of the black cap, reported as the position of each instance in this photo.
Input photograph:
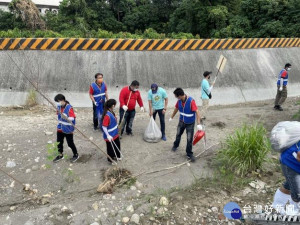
(206, 73)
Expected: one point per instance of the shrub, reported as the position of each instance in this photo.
(245, 150)
(31, 98)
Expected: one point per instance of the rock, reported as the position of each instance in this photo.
(209, 211)
(113, 197)
(48, 133)
(138, 185)
(152, 218)
(258, 184)
(49, 142)
(125, 220)
(163, 201)
(12, 184)
(130, 209)
(64, 209)
(10, 164)
(28, 170)
(246, 191)
(179, 198)
(160, 211)
(13, 208)
(214, 209)
(35, 168)
(37, 159)
(27, 187)
(95, 206)
(95, 223)
(135, 218)
(133, 188)
(91, 138)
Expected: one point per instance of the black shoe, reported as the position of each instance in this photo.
(74, 158)
(191, 158)
(58, 158)
(95, 128)
(174, 149)
(276, 106)
(279, 108)
(130, 134)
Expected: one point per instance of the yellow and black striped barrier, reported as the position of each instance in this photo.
(144, 44)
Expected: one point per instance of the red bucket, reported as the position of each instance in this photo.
(198, 136)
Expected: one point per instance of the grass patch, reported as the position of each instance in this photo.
(244, 151)
(31, 98)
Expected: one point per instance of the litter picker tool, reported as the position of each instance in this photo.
(122, 124)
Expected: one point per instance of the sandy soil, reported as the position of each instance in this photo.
(24, 135)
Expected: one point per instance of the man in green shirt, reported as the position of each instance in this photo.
(158, 103)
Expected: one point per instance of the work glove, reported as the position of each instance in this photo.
(170, 119)
(125, 107)
(65, 115)
(142, 109)
(199, 127)
(280, 89)
(109, 138)
(95, 103)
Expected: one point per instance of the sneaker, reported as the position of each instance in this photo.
(58, 158)
(120, 136)
(74, 158)
(174, 149)
(280, 108)
(191, 158)
(119, 159)
(164, 138)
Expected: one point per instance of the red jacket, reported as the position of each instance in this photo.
(135, 97)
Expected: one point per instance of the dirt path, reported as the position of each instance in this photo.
(24, 135)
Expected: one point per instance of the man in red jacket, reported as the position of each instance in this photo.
(129, 95)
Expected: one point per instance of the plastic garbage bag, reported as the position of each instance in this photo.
(284, 135)
(198, 136)
(152, 132)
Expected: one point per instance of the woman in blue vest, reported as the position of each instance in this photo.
(110, 130)
(98, 94)
(65, 127)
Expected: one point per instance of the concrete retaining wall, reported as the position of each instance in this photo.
(249, 75)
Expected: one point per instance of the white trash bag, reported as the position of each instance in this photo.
(284, 135)
(152, 132)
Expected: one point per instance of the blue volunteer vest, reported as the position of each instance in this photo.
(99, 93)
(186, 113)
(63, 124)
(285, 80)
(112, 128)
(289, 160)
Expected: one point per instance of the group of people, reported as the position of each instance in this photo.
(104, 117)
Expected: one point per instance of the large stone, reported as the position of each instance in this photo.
(135, 218)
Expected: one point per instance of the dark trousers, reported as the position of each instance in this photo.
(161, 118)
(95, 118)
(281, 95)
(189, 133)
(110, 149)
(129, 116)
(70, 141)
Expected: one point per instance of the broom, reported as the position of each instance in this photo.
(122, 124)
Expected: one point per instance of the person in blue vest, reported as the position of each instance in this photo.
(188, 110)
(282, 82)
(98, 94)
(65, 127)
(110, 130)
(290, 190)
